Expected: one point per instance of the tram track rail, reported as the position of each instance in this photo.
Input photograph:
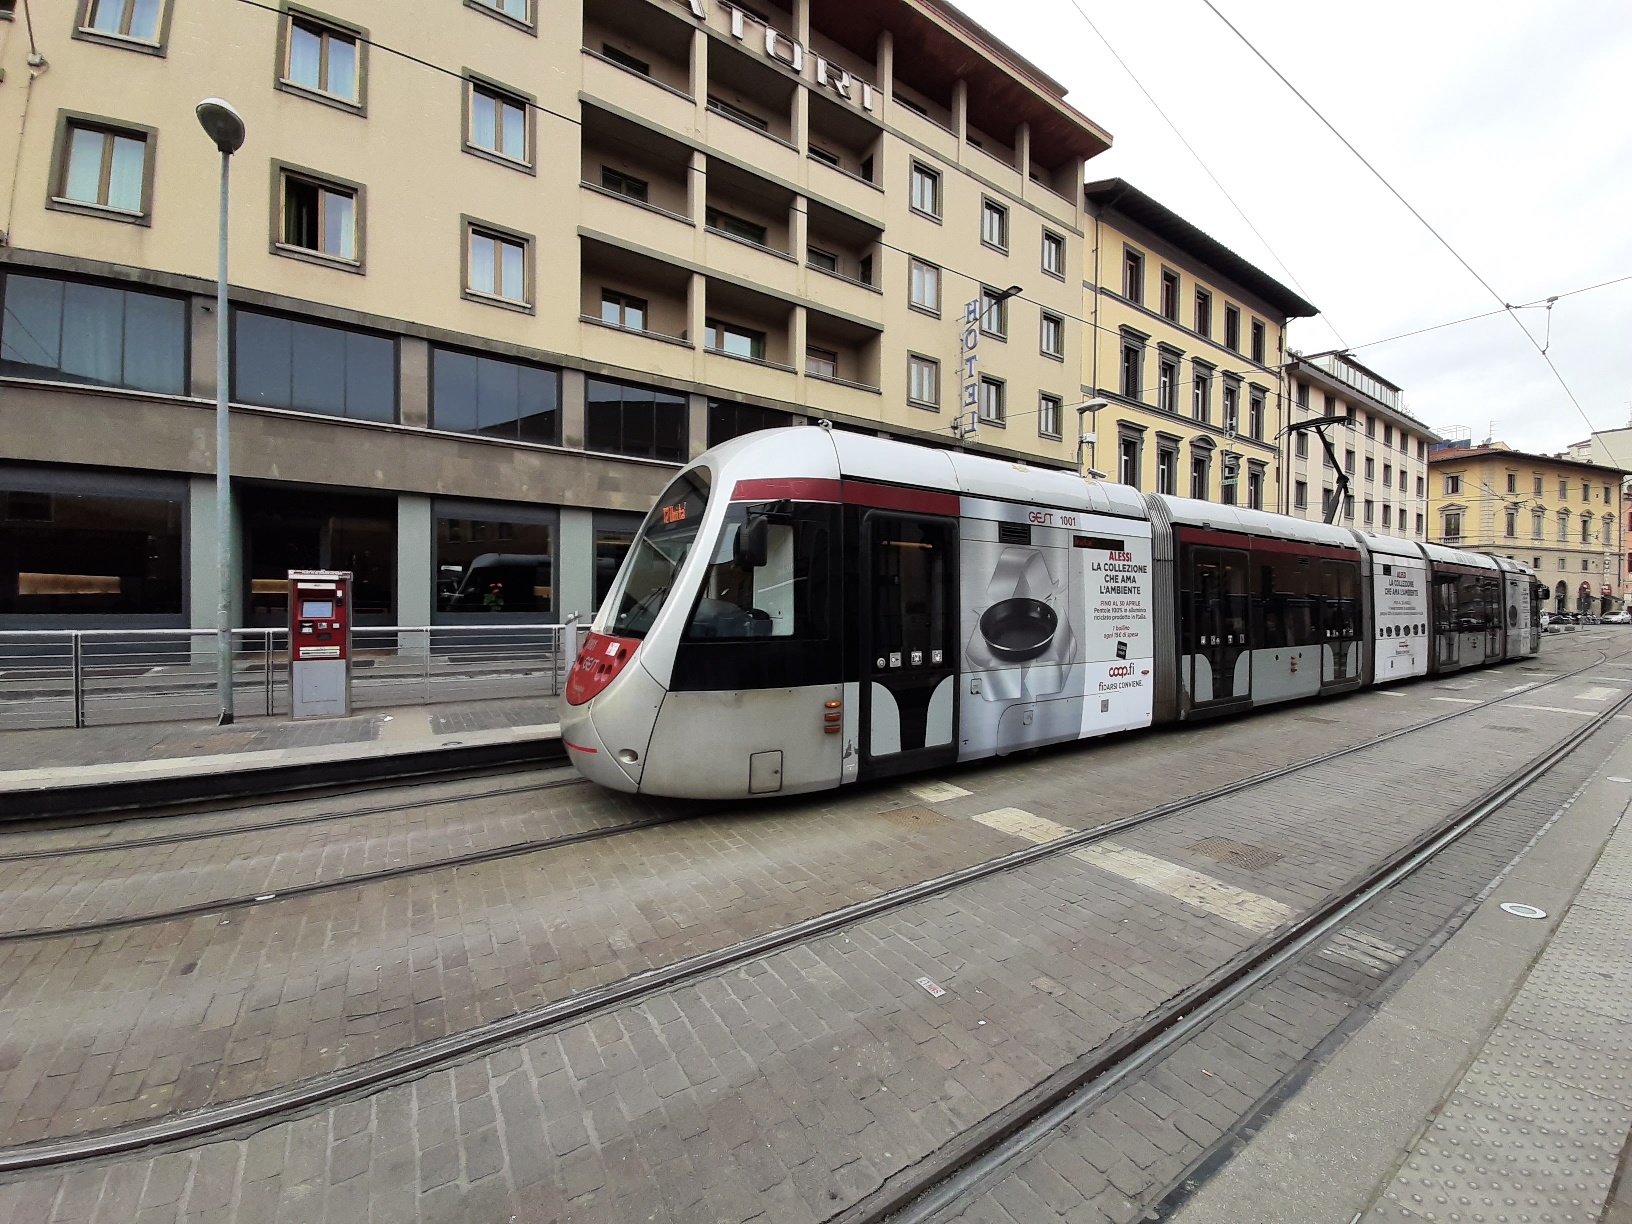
(517, 849)
(253, 1112)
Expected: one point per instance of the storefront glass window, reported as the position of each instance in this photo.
(501, 399)
(84, 554)
(612, 541)
(487, 565)
(641, 421)
(727, 420)
(309, 367)
(68, 331)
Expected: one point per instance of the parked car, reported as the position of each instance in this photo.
(1616, 618)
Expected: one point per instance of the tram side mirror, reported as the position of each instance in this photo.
(752, 547)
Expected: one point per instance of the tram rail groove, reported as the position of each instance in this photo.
(685, 812)
(249, 1114)
(945, 1180)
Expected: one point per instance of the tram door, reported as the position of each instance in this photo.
(908, 638)
(1447, 616)
(1217, 628)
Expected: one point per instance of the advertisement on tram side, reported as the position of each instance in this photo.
(1400, 604)
(1056, 630)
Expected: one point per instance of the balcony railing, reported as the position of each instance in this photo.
(1362, 382)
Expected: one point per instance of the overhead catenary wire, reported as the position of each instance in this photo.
(1394, 191)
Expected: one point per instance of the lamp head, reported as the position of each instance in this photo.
(1012, 291)
(221, 123)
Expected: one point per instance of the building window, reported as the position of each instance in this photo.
(498, 124)
(924, 285)
(1300, 495)
(517, 10)
(737, 227)
(1167, 384)
(1348, 462)
(137, 20)
(68, 331)
(1300, 445)
(1258, 337)
(492, 566)
(1563, 490)
(1053, 342)
(1328, 503)
(1512, 523)
(1538, 524)
(1053, 254)
(825, 260)
(1048, 415)
(1405, 442)
(994, 225)
(821, 363)
(1228, 473)
(619, 183)
(1419, 524)
(1232, 328)
(1198, 477)
(1301, 391)
(319, 217)
(1388, 437)
(1371, 467)
(623, 59)
(627, 420)
(1453, 485)
(1204, 313)
(994, 314)
(924, 381)
(1586, 529)
(1255, 415)
(1201, 394)
(1128, 460)
(1167, 470)
(1133, 276)
(496, 265)
(745, 117)
(104, 168)
(1388, 516)
(1422, 450)
(1232, 408)
(1421, 486)
(1133, 357)
(1563, 526)
(728, 419)
(1170, 295)
(1370, 512)
(1255, 489)
(735, 340)
(1348, 507)
(926, 190)
(1388, 475)
(95, 550)
(279, 362)
(495, 398)
(623, 310)
(1586, 491)
(1371, 427)
(991, 402)
(322, 59)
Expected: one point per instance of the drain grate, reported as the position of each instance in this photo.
(1237, 854)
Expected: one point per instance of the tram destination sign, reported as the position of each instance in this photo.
(789, 52)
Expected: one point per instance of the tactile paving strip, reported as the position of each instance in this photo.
(1533, 1133)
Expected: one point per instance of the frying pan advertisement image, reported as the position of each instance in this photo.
(1022, 618)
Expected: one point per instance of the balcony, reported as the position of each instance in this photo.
(1358, 377)
(640, 39)
(749, 227)
(749, 93)
(748, 338)
(841, 352)
(633, 309)
(844, 262)
(641, 179)
(842, 139)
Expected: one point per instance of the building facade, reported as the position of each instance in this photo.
(1186, 341)
(1563, 516)
(459, 370)
(1383, 449)
(1613, 448)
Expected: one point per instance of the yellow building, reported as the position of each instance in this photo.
(1187, 343)
(1382, 448)
(447, 347)
(1561, 515)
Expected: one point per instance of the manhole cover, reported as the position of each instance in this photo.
(1319, 718)
(915, 817)
(1519, 910)
(1237, 854)
(1514, 730)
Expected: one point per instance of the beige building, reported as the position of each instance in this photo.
(1187, 340)
(497, 269)
(1560, 515)
(1382, 448)
(1613, 448)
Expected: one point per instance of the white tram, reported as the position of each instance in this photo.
(804, 608)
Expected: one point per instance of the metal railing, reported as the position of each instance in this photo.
(102, 677)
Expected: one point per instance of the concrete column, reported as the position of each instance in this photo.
(414, 380)
(697, 423)
(697, 195)
(801, 21)
(960, 111)
(201, 378)
(799, 232)
(886, 63)
(798, 331)
(416, 560)
(699, 75)
(1022, 151)
(801, 119)
(572, 409)
(575, 564)
(697, 317)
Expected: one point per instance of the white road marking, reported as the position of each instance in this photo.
(1597, 694)
(1363, 949)
(1552, 710)
(1389, 693)
(1237, 905)
(1459, 700)
(937, 792)
(1518, 688)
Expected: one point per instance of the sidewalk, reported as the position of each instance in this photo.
(1497, 1083)
(31, 761)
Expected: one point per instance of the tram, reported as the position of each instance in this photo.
(804, 608)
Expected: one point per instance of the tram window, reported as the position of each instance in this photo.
(1340, 589)
(774, 600)
(1285, 601)
(665, 539)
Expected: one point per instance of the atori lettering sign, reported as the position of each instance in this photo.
(745, 27)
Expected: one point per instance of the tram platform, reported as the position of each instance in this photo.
(71, 771)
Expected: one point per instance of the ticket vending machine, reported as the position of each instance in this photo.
(319, 644)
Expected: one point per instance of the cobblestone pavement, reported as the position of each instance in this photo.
(784, 1089)
(69, 746)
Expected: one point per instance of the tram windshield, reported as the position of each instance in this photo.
(655, 559)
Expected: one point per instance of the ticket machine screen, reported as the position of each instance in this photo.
(312, 607)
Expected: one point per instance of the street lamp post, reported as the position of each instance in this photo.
(223, 125)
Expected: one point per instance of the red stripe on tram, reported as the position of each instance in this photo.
(892, 497)
(789, 488)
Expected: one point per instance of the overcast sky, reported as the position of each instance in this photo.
(1507, 125)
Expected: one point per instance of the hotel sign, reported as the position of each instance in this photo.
(746, 28)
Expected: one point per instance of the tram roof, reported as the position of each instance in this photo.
(1391, 546)
(1189, 512)
(1458, 556)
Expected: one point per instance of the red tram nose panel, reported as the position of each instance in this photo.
(599, 662)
